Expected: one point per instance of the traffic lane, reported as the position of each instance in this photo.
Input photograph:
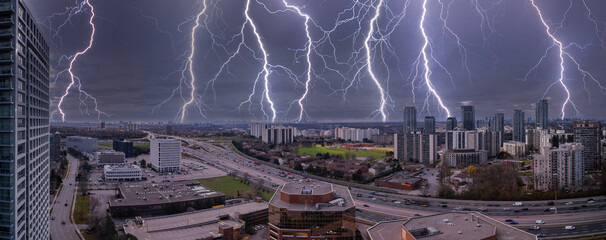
(62, 212)
(561, 231)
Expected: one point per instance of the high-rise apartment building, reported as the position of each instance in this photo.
(430, 125)
(559, 168)
(279, 134)
(24, 121)
(451, 123)
(498, 125)
(588, 133)
(410, 119)
(518, 126)
(256, 129)
(355, 134)
(542, 114)
(416, 147)
(469, 117)
(165, 154)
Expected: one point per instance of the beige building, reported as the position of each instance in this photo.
(516, 149)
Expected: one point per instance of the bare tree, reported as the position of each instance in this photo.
(93, 203)
(83, 187)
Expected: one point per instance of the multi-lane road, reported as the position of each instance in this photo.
(60, 225)
(589, 217)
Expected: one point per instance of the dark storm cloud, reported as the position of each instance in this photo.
(127, 68)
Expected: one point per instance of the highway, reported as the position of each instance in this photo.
(587, 217)
(61, 212)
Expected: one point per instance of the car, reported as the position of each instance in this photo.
(550, 203)
(506, 209)
(366, 205)
(459, 208)
(540, 222)
(424, 205)
(590, 201)
(66, 204)
(553, 209)
(513, 223)
(569, 228)
(63, 222)
(547, 210)
(397, 202)
(541, 235)
(569, 203)
(584, 206)
(524, 209)
(517, 204)
(417, 215)
(574, 208)
(508, 220)
(444, 206)
(534, 228)
(53, 218)
(517, 210)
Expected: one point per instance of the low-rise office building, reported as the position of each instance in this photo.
(110, 157)
(399, 181)
(165, 154)
(122, 173)
(462, 158)
(152, 199)
(311, 210)
(444, 226)
(124, 146)
(82, 144)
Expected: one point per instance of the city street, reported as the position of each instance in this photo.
(60, 212)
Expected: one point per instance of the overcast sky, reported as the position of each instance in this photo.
(138, 44)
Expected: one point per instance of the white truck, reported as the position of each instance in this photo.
(517, 204)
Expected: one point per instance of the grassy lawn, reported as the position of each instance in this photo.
(230, 186)
(81, 210)
(105, 144)
(338, 151)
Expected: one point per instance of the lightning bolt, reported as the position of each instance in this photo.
(562, 55)
(369, 64)
(190, 62)
(425, 55)
(75, 81)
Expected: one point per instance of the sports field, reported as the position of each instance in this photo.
(375, 152)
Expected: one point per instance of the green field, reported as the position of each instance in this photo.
(230, 186)
(81, 210)
(338, 151)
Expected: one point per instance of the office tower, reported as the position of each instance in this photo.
(542, 116)
(410, 119)
(416, 147)
(278, 134)
(165, 154)
(588, 134)
(469, 117)
(311, 210)
(451, 123)
(559, 168)
(498, 125)
(123, 146)
(518, 126)
(430, 125)
(24, 117)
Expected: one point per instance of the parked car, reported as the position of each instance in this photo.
(63, 222)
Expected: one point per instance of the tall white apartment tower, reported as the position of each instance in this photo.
(24, 125)
(165, 154)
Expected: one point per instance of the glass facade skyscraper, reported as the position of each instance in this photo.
(24, 125)
(469, 117)
(518, 126)
(430, 125)
(451, 123)
(410, 119)
(542, 116)
(498, 125)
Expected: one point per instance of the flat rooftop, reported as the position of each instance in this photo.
(162, 193)
(318, 188)
(192, 225)
(448, 226)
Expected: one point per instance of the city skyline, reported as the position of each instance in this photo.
(128, 79)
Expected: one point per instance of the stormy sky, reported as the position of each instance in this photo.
(141, 47)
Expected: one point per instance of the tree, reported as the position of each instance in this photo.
(83, 187)
(357, 176)
(143, 163)
(298, 167)
(471, 169)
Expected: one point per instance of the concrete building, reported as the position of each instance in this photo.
(256, 129)
(445, 226)
(589, 134)
(24, 124)
(469, 117)
(416, 147)
(130, 126)
(461, 140)
(165, 154)
(489, 141)
(55, 146)
(122, 173)
(382, 139)
(147, 199)
(82, 144)
(109, 157)
(533, 139)
(410, 119)
(542, 115)
(278, 134)
(560, 168)
(498, 125)
(222, 223)
(462, 158)
(516, 149)
(518, 126)
(398, 181)
(430, 125)
(124, 146)
(311, 210)
(355, 134)
(451, 123)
